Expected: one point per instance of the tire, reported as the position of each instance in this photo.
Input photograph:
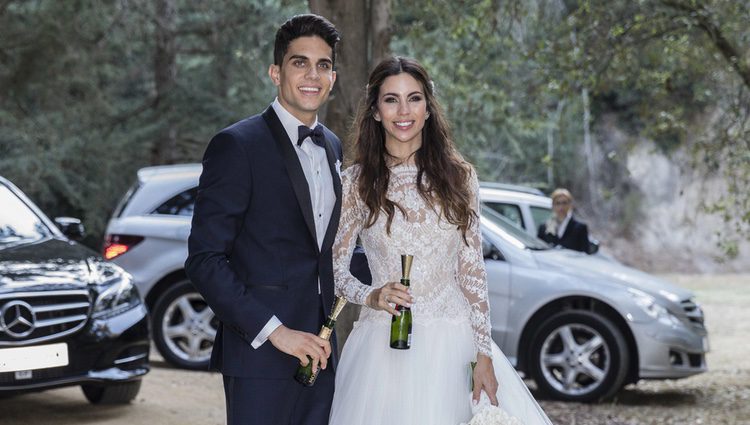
(122, 393)
(184, 327)
(565, 369)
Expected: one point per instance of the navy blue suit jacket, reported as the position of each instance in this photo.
(253, 252)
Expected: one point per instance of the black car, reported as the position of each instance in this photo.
(67, 317)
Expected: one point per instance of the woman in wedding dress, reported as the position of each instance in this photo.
(410, 192)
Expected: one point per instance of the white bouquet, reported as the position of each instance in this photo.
(487, 414)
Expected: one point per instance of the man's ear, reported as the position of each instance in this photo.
(274, 72)
(333, 81)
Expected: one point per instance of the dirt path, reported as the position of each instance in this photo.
(168, 397)
(721, 396)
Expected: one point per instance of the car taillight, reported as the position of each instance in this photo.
(116, 245)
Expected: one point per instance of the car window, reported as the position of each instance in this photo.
(126, 199)
(511, 230)
(180, 204)
(509, 211)
(540, 215)
(18, 223)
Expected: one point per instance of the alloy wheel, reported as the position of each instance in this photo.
(575, 359)
(189, 328)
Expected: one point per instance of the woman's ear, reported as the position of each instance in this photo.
(376, 115)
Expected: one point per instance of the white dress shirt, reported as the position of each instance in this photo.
(314, 164)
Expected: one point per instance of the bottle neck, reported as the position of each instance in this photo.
(405, 282)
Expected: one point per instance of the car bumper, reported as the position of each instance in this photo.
(670, 352)
(104, 352)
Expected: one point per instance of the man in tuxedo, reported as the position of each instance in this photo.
(562, 228)
(265, 217)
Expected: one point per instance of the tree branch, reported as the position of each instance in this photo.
(703, 20)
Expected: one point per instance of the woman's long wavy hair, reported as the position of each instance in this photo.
(442, 176)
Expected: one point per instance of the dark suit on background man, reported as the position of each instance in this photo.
(575, 236)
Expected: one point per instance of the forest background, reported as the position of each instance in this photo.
(640, 107)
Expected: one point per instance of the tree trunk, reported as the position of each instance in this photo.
(554, 125)
(222, 63)
(351, 62)
(587, 148)
(380, 33)
(361, 47)
(165, 70)
(587, 144)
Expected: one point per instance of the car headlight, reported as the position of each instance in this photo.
(119, 296)
(648, 304)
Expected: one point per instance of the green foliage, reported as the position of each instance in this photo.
(476, 55)
(79, 116)
(81, 109)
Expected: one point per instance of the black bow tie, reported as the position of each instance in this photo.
(316, 134)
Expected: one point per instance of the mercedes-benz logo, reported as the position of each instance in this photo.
(17, 319)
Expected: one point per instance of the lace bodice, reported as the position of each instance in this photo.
(448, 278)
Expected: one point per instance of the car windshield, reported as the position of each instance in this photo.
(18, 223)
(512, 230)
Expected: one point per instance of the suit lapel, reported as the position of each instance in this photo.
(334, 221)
(293, 168)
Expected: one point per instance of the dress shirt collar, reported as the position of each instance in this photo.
(290, 122)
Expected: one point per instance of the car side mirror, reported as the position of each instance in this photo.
(593, 246)
(491, 252)
(71, 227)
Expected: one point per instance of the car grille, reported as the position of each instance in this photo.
(47, 315)
(693, 312)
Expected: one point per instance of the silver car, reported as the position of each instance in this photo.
(581, 326)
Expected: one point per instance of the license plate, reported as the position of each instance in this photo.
(32, 358)
(24, 374)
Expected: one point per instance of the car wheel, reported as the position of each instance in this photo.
(112, 394)
(184, 327)
(578, 356)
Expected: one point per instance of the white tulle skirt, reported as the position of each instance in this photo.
(427, 384)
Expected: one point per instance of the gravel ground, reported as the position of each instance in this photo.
(721, 396)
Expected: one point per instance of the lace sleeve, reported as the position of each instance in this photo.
(353, 215)
(472, 277)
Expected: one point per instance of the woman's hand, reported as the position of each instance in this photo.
(484, 379)
(388, 296)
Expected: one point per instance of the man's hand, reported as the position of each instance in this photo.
(300, 345)
(484, 379)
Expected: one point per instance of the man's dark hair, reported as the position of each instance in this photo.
(304, 26)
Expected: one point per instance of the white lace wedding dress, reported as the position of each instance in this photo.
(429, 383)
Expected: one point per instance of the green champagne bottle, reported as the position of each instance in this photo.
(401, 325)
(306, 375)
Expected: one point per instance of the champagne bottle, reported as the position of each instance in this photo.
(306, 375)
(401, 325)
